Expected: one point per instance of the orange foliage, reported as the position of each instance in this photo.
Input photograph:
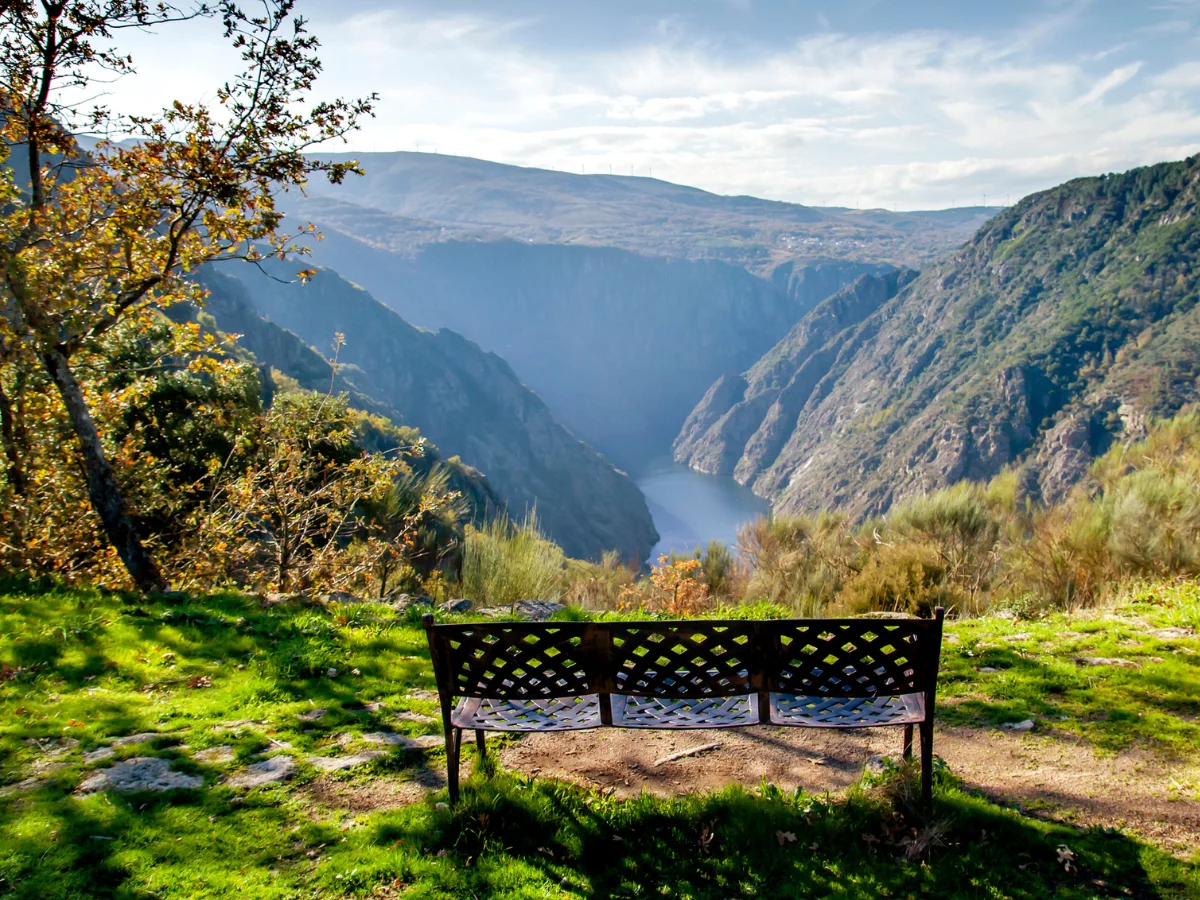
(673, 589)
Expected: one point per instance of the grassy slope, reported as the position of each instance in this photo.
(90, 667)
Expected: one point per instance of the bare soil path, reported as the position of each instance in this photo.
(1048, 774)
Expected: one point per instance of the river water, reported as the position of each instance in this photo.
(691, 509)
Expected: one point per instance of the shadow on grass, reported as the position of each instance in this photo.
(736, 844)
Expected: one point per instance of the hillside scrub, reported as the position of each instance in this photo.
(504, 562)
(967, 547)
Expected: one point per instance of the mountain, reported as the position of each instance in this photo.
(454, 197)
(465, 400)
(1057, 330)
(620, 345)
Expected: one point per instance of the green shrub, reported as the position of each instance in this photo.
(504, 562)
(905, 578)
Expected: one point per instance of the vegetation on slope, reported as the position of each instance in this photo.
(82, 668)
(469, 402)
(1068, 321)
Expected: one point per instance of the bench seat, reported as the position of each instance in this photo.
(686, 674)
(579, 713)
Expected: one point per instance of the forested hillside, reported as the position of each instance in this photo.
(1066, 322)
(464, 399)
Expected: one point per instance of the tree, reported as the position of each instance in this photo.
(91, 240)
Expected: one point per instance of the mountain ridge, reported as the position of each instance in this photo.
(1064, 324)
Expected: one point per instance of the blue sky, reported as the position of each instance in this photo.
(898, 104)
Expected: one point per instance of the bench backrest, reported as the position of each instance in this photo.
(686, 659)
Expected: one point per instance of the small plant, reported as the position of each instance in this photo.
(504, 562)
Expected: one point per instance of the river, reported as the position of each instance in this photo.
(690, 509)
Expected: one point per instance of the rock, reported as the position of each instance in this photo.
(533, 610)
(332, 673)
(1168, 634)
(174, 596)
(1026, 725)
(29, 784)
(399, 740)
(418, 694)
(456, 606)
(988, 670)
(269, 771)
(1106, 661)
(340, 597)
(142, 738)
(215, 755)
(274, 599)
(336, 763)
(142, 773)
(94, 756)
(312, 715)
(407, 715)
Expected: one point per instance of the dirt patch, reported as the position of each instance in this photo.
(1049, 775)
(363, 796)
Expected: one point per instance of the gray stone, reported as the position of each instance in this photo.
(94, 756)
(336, 763)
(533, 610)
(988, 670)
(29, 784)
(143, 773)
(1026, 725)
(1167, 634)
(274, 599)
(1106, 661)
(340, 597)
(142, 738)
(400, 740)
(312, 715)
(214, 755)
(269, 771)
(456, 606)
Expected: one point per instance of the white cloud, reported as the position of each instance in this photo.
(911, 119)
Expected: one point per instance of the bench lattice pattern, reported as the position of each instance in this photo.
(563, 676)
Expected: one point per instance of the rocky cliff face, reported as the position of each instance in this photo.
(471, 404)
(619, 345)
(1064, 323)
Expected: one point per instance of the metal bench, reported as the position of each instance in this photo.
(703, 673)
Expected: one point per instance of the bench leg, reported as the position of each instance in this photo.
(453, 750)
(481, 743)
(907, 742)
(927, 765)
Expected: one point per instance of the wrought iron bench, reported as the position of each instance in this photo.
(563, 676)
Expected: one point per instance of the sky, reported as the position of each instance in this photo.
(901, 104)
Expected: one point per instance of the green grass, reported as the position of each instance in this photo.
(81, 666)
(1113, 707)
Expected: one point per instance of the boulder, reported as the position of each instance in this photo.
(269, 771)
(533, 610)
(336, 763)
(456, 606)
(142, 773)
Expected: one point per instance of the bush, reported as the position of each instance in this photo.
(504, 562)
(905, 578)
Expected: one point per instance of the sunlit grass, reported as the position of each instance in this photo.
(224, 671)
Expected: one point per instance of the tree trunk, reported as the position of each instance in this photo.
(103, 490)
(13, 451)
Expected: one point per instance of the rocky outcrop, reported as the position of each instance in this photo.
(1066, 322)
(743, 421)
(468, 402)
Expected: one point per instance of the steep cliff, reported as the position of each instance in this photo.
(469, 403)
(619, 345)
(1057, 330)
